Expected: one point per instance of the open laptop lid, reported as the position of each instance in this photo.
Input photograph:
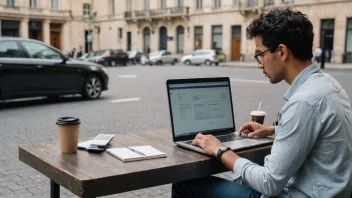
(200, 105)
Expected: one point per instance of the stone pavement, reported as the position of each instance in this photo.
(330, 66)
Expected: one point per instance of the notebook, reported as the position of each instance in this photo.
(134, 153)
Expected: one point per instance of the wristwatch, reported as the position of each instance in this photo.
(221, 151)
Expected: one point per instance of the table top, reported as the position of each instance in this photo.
(98, 174)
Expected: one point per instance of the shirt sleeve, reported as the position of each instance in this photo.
(298, 129)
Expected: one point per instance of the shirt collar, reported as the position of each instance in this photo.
(300, 79)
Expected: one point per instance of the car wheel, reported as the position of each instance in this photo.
(174, 62)
(159, 62)
(216, 64)
(106, 63)
(113, 63)
(187, 62)
(208, 62)
(92, 87)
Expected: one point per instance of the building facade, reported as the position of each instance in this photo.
(179, 26)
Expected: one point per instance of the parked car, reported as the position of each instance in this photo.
(84, 57)
(30, 68)
(162, 57)
(134, 57)
(201, 56)
(109, 57)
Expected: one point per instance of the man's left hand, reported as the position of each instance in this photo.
(208, 143)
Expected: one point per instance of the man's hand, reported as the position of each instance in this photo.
(208, 143)
(256, 129)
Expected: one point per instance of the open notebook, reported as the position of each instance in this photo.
(134, 153)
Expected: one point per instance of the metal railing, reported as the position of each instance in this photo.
(156, 13)
(128, 14)
(177, 10)
(141, 13)
(268, 3)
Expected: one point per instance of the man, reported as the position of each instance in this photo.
(312, 152)
(318, 52)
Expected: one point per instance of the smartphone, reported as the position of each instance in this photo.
(95, 149)
(102, 140)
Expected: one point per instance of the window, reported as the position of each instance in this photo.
(129, 5)
(10, 3)
(198, 37)
(120, 33)
(36, 50)
(236, 2)
(112, 7)
(217, 4)
(180, 39)
(55, 4)
(349, 35)
(180, 3)
(217, 37)
(199, 4)
(86, 10)
(9, 49)
(33, 3)
(163, 4)
(146, 4)
(146, 39)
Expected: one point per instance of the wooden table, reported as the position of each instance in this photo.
(92, 175)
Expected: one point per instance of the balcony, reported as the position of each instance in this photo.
(248, 6)
(18, 11)
(163, 13)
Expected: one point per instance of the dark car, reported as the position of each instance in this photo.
(31, 68)
(109, 57)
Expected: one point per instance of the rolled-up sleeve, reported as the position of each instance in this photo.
(296, 133)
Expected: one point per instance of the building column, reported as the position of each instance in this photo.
(65, 37)
(46, 31)
(24, 28)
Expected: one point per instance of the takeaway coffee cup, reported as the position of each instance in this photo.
(68, 129)
(258, 116)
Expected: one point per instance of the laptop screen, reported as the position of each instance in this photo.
(200, 107)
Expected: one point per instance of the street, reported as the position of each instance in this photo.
(136, 101)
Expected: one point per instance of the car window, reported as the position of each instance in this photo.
(168, 53)
(9, 49)
(37, 50)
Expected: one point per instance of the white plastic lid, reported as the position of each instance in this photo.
(258, 113)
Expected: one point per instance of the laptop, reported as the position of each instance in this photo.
(204, 105)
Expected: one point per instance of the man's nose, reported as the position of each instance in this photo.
(261, 66)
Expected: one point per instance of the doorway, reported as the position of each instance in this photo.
(236, 43)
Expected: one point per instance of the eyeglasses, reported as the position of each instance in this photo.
(258, 56)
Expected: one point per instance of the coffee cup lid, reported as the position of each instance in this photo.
(68, 121)
(258, 113)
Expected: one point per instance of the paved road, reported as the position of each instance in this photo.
(34, 121)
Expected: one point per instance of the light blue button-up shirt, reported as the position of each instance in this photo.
(312, 152)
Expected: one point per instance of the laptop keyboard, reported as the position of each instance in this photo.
(223, 138)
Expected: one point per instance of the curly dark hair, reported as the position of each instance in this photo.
(284, 26)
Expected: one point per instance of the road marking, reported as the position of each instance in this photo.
(125, 100)
(127, 76)
(249, 81)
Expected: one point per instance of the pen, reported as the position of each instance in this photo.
(136, 151)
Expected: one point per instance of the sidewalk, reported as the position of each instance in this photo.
(331, 66)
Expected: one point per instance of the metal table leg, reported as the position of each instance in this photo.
(54, 189)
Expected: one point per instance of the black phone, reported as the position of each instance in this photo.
(95, 149)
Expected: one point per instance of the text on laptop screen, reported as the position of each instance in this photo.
(200, 107)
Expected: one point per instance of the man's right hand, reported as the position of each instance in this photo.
(255, 129)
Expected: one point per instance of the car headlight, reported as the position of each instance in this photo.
(103, 69)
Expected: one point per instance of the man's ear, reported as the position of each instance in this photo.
(282, 52)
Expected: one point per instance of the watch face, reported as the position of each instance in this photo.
(223, 148)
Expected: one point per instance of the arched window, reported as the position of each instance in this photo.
(146, 39)
(163, 38)
(180, 39)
